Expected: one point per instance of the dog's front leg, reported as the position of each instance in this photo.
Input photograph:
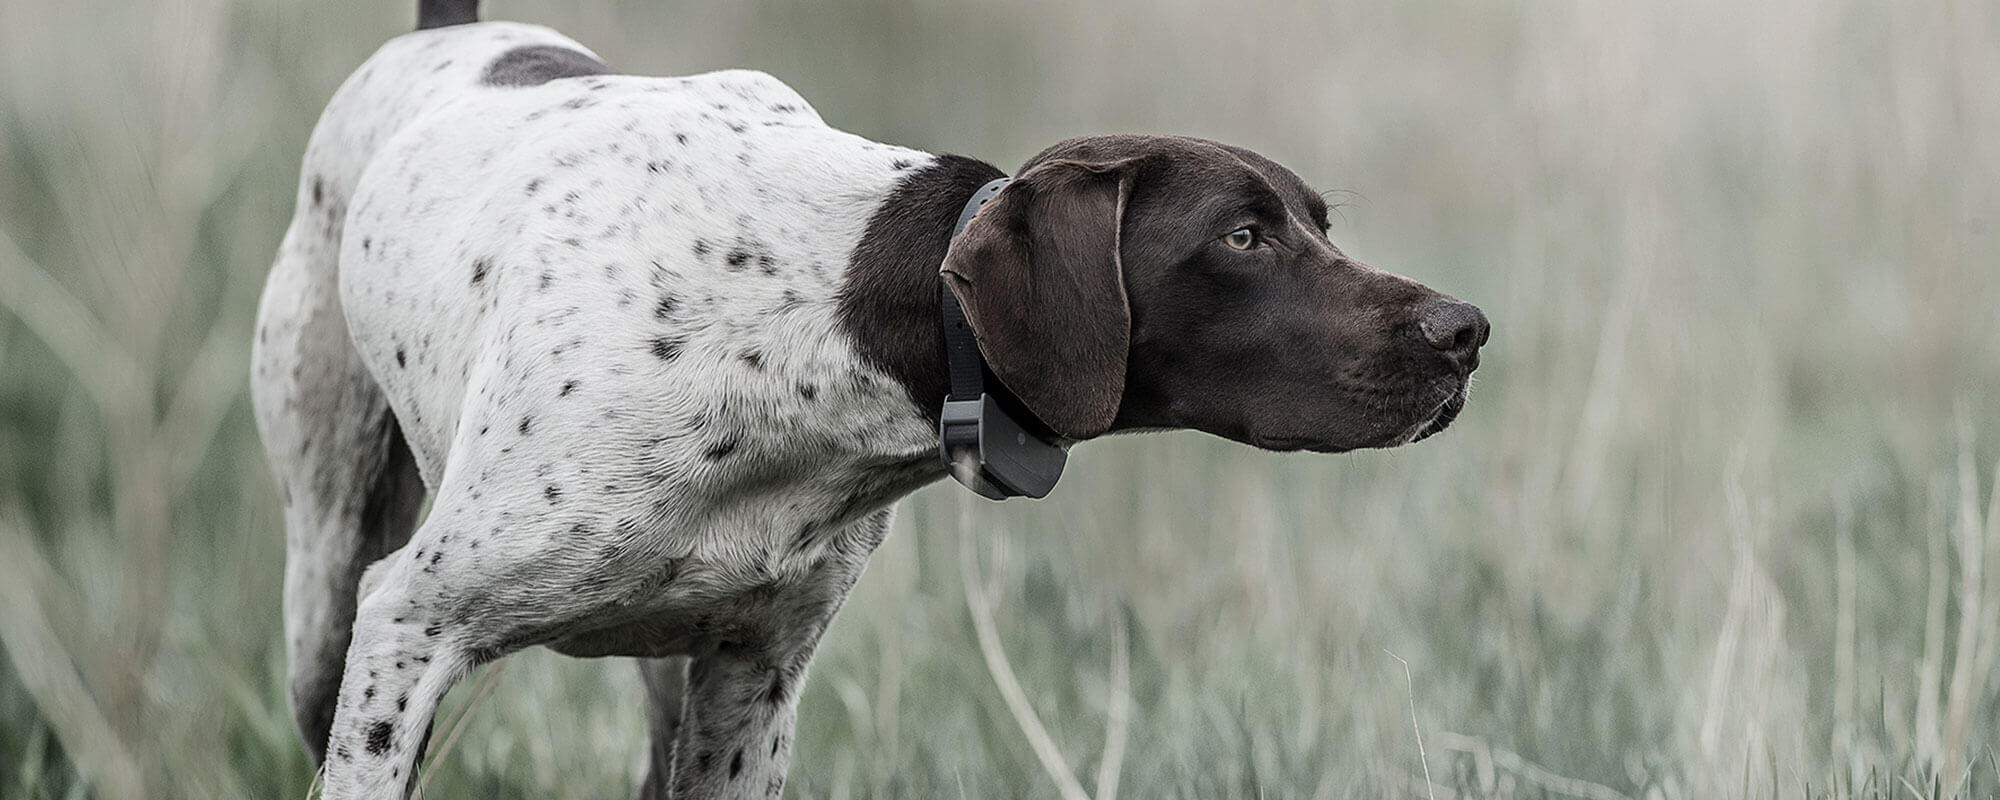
(736, 727)
(398, 668)
(741, 701)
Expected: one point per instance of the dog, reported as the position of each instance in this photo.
(662, 352)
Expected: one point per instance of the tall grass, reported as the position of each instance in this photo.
(1722, 519)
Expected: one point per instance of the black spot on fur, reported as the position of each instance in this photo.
(700, 248)
(319, 191)
(553, 493)
(433, 630)
(548, 279)
(776, 742)
(534, 186)
(657, 167)
(538, 64)
(900, 164)
(378, 737)
(403, 703)
(368, 693)
(722, 449)
(681, 138)
(575, 103)
(736, 763)
(400, 361)
(754, 359)
(666, 307)
(808, 391)
(768, 264)
(667, 348)
(737, 258)
(479, 269)
(567, 387)
(526, 423)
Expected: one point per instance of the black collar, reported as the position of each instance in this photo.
(983, 446)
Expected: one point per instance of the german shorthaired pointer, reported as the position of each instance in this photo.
(662, 352)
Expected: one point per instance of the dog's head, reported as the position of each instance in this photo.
(1135, 282)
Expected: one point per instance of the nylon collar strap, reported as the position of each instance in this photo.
(961, 348)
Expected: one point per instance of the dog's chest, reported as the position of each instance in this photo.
(627, 285)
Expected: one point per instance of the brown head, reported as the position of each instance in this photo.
(1136, 282)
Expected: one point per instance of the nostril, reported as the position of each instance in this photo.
(1456, 327)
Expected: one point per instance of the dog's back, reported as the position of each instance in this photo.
(667, 247)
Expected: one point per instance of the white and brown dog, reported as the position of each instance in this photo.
(663, 351)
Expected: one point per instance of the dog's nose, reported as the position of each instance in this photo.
(1457, 329)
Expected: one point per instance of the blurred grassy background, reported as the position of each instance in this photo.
(1720, 520)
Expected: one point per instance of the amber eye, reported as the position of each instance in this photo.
(1241, 239)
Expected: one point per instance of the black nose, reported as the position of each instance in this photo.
(1457, 329)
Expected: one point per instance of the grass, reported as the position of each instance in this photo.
(1722, 519)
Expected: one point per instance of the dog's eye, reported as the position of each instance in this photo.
(1241, 239)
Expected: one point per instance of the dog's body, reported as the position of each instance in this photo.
(660, 350)
(661, 361)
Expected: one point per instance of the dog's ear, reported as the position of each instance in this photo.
(1039, 275)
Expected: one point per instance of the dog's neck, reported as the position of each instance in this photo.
(890, 302)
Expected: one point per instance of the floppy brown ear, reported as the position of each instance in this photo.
(1038, 273)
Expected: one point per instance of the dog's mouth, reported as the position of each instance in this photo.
(1433, 416)
(1440, 419)
(1410, 421)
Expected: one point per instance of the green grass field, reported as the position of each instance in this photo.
(1721, 519)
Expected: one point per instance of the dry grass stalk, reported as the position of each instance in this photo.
(1023, 712)
(480, 691)
(1960, 693)
(51, 675)
(1429, 788)
(1118, 706)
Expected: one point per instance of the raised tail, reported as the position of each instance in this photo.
(439, 13)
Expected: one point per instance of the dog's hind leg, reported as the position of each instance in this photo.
(348, 483)
(666, 681)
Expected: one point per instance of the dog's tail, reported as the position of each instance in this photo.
(439, 13)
